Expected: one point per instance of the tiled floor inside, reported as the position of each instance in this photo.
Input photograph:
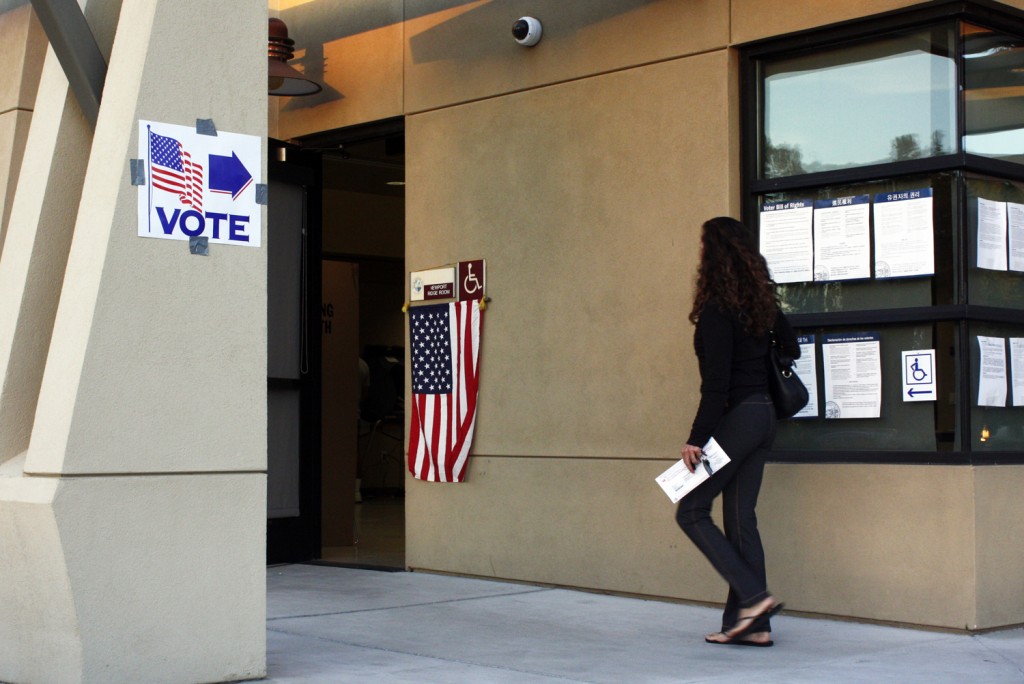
(380, 535)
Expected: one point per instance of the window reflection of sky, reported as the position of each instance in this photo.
(998, 144)
(848, 115)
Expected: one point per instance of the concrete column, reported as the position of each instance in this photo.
(38, 239)
(21, 59)
(132, 508)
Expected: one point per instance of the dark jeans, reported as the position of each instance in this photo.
(746, 434)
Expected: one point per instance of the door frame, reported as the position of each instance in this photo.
(297, 539)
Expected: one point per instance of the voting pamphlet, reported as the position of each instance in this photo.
(678, 481)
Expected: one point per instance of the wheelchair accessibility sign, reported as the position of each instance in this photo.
(919, 375)
(472, 279)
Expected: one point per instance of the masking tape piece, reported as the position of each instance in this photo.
(206, 127)
(199, 245)
(138, 171)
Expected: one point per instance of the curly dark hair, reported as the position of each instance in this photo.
(734, 274)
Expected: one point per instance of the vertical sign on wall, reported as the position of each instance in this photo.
(472, 279)
(919, 375)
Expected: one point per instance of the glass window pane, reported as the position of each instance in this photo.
(994, 93)
(903, 425)
(888, 100)
(992, 282)
(860, 295)
(995, 428)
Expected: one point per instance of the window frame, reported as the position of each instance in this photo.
(985, 13)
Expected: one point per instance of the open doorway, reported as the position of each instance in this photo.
(336, 335)
(363, 338)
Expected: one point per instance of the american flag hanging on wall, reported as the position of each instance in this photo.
(444, 346)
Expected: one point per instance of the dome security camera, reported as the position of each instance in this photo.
(527, 31)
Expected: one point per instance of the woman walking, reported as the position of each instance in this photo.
(736, 312)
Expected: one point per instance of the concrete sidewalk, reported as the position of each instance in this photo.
(328, 624)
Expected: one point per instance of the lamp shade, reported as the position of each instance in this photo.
(283, 79)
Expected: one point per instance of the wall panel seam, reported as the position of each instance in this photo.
(562, 82)
(564, 457)
(824, 461)
(186, 473)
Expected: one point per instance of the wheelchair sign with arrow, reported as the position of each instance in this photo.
(919, 375)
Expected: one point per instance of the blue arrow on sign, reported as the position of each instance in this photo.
(914, 392)
(228, 175)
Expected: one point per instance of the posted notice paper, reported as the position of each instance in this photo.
(678, 481)
(853, 375)
(1015, 230)
(807, 370)
(787, 240)
(1017, 369)
(842, 240)
(991, 234)
(992, 383)
(904, 242)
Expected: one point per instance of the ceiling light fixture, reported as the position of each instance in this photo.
(284, 79)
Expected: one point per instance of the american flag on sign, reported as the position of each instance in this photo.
(172, 170)
(444, 345)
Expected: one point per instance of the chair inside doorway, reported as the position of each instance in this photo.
(381, 412)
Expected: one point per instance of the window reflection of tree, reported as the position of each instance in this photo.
(905, 147)
(782, 160)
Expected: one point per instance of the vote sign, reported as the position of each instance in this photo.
(199, 185)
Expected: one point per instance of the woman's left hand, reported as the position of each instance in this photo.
(691, 456)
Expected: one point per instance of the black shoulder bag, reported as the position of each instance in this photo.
(788, 392)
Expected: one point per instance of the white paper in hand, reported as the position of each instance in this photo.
(678, 481)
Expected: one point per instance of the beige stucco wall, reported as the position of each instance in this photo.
(21, 59)
(926, 545)
(892, 543)
(999, 527)
(885, 542)
(38, 241)
(160, 329)
(589, 284)
(457, 52)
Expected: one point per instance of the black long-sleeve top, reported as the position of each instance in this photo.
(733, 364)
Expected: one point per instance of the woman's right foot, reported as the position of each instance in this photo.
(747, 617)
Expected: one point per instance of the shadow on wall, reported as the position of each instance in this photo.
(317, 24)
